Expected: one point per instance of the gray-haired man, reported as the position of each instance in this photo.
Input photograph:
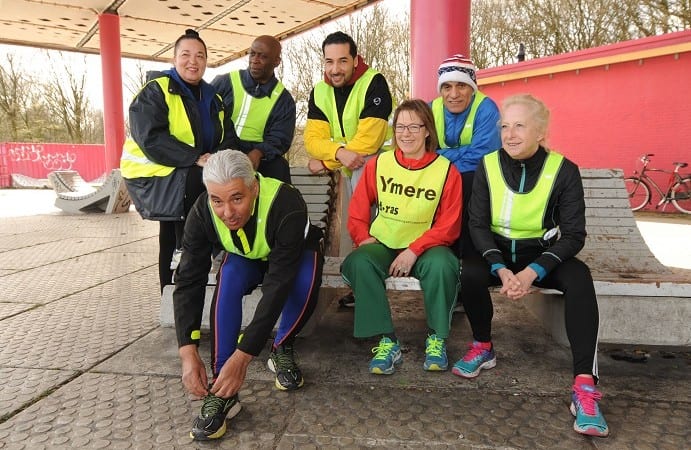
(262, 224)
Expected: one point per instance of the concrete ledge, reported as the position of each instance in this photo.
(624, 319)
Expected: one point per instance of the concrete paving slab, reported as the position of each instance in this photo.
(156, 354)
(21, 386)
(48, 283)
(147, 246)
(122, 411)
(28, 202)
(398, 417)
(49, 252)
(13, 241)
(77, 332)
(54, 227)
(664, 234)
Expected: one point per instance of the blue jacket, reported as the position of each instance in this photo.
(486, 137)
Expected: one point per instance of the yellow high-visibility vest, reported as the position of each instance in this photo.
(250, 114)
(520, 215)
(439, 123)
(407, 199)
(259, 249)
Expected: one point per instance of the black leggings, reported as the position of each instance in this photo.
(572, 277)
(170, 233)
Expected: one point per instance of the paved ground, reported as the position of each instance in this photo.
(85, 365)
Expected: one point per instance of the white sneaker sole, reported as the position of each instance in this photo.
(485, 365)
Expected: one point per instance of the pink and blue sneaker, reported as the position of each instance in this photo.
(479, 356)
(589, 418)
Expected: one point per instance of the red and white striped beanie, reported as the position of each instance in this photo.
(457, 68)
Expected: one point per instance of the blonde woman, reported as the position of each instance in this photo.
(527, 219)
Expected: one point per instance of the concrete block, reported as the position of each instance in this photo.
(624, 319)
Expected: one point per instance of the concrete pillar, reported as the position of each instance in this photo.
(438, 29)
(113, 117)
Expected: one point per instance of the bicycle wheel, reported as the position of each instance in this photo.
(680, 195)
(639, 192)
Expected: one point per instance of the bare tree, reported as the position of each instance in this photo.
(67, 100)
(559, 26)
(384, 43)
(300, 69)
(134, 81)
(16, 98)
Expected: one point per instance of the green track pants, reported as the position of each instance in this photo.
(365, 270)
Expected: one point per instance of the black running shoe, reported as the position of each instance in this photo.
(211, 422)
(282, 363)
(347, 301)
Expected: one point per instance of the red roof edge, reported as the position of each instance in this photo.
(604, 51)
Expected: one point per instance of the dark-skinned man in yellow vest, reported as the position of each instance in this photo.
(261, 109)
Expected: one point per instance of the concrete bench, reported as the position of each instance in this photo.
(74, 195)
(68, 181)
(318, 192)
(641, 301)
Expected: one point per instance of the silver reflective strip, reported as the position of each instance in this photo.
(505, 213)
(307, 227)
(244, 112)
(137, 159)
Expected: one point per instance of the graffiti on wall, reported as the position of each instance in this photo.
(36, 153)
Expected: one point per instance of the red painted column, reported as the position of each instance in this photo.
(113, 117)
(438, 29)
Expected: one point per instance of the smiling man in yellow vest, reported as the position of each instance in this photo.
(348, 113)
(467, 125)
(261, 109)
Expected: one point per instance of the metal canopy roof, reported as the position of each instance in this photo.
(149, 28)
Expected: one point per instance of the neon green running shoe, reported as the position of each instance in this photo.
(386, 355)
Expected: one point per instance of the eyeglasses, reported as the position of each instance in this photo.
(414, 128)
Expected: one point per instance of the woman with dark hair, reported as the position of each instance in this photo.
(176, 122)
(415, 192)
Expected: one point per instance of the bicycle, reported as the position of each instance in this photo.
(678, 190)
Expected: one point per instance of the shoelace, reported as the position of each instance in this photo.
(382, 350)
(474, 352)
(587, 399)
(435, 346)
(212, 405)
(284, 359)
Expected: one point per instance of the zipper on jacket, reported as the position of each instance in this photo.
(521, 186)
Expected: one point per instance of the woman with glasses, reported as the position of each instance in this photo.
(415, 192)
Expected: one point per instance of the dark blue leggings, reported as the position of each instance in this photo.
(238, 276)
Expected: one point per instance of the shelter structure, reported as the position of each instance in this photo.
(148, 30)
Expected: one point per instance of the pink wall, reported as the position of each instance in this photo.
(613, 103)
(37, 160)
